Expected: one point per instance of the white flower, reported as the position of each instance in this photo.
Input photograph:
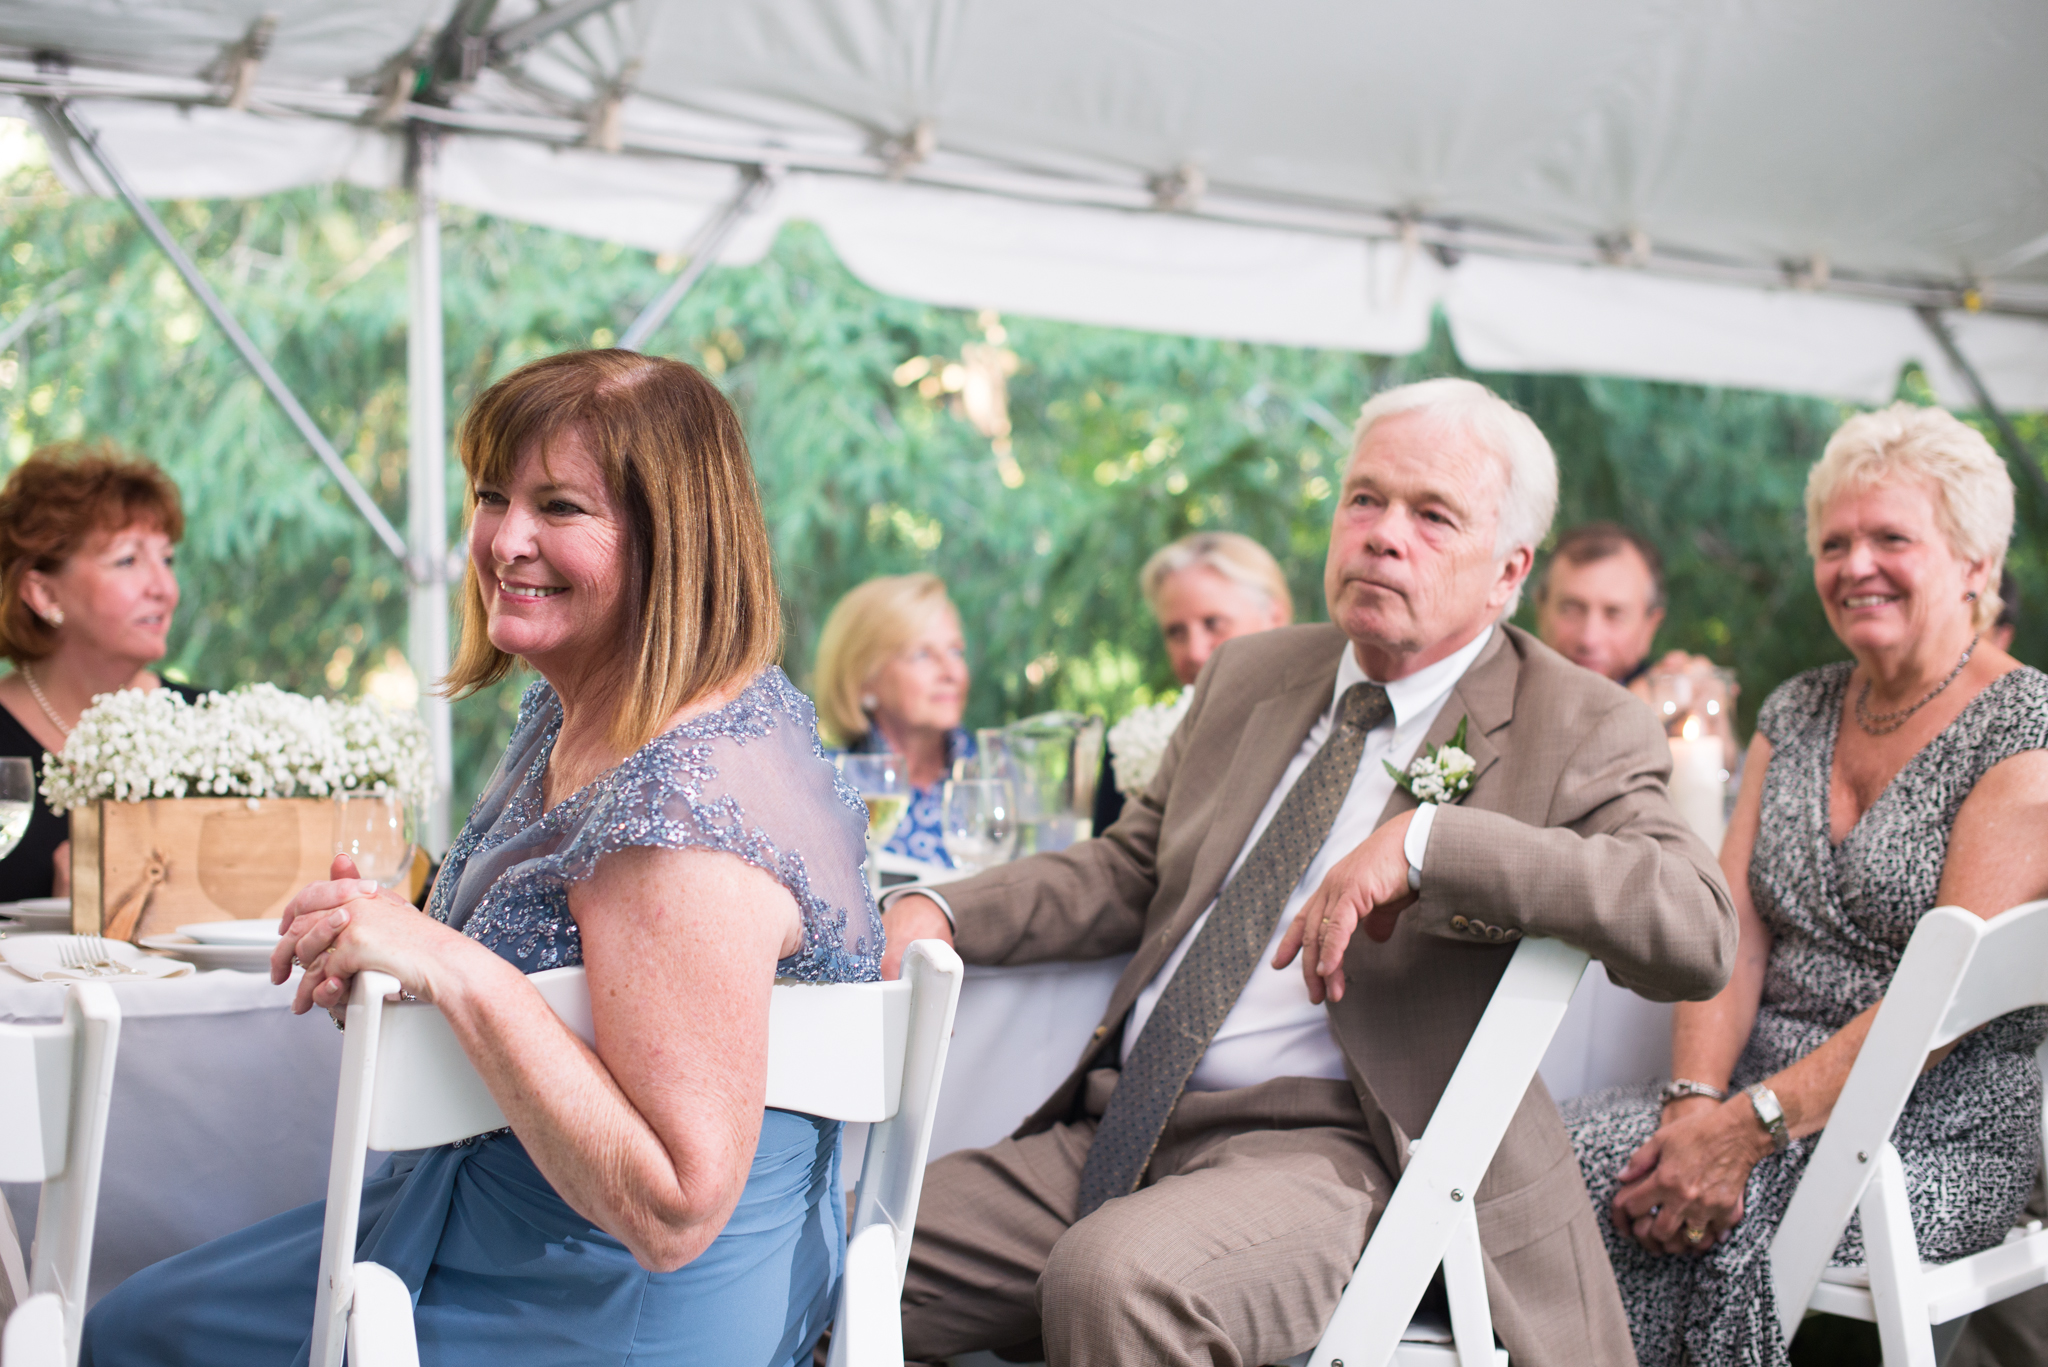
(258, 741)
(1453, 763)
(1138, 742)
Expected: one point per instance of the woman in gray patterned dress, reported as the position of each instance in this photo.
(1876, 790)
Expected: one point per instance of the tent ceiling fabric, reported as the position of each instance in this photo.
(1618, 186)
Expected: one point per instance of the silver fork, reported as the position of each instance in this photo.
(73, 956)
(106, 957)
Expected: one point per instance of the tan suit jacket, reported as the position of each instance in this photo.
(1568, 831)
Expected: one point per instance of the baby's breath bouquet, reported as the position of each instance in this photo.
(1138, 742)
(258, 741)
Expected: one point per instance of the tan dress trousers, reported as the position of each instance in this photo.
(1234, 1251)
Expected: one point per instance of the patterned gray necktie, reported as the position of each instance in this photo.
(1218, 964)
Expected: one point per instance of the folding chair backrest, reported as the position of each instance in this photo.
(59, 1080)
(844, 1051)
(1958, 972)
(1430, 1218)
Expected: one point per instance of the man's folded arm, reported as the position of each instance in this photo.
(1619, 874)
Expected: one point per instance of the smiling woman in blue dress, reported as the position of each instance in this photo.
(665, 817)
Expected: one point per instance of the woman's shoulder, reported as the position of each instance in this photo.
(2010, 716)
(1807, 701)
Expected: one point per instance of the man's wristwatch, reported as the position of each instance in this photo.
(1769, 1114)
(1679, 1088)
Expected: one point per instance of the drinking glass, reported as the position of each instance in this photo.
(17, 800)
(980, 821)
(375, 830)
(885, 788)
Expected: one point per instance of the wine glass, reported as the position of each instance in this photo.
(375, 830)
(980, 822)
(885, 788)
(17, 800)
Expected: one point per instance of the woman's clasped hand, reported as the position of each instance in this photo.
(1682, 1191)
(347, 925)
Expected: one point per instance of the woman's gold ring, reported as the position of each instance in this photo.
(1695, 1235)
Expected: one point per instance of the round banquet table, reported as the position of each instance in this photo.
(222, 1113)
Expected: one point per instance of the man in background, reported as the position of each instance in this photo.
(1600, 600)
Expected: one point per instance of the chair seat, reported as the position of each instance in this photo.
(1954, 1289)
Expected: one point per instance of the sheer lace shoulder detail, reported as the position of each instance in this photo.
(750, 779)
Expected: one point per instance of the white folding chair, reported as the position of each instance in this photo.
(850, 1051)
(1430, 1221)
(58, 1081)
(34, 1336)
(1958, 972)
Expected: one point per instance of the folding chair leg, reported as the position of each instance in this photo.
(1893, 1257)
(868, 1331)
(1465, 1288)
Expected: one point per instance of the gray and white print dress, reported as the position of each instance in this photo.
(1970, 1137)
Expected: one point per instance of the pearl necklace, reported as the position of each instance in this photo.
(28, 676)
(1876, 723)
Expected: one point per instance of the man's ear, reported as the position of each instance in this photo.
(1514, 569)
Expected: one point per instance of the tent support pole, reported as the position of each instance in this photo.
(426, 482)
(82, 138)
(2016, 450)
(703, 251)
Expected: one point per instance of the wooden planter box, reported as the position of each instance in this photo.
(223, 858)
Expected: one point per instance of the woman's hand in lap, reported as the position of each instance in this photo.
(1690, 1174)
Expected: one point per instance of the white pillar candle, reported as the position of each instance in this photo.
(1697, 788)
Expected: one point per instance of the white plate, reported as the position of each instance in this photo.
(262, 931)
(246, 958)
(41, 958)
(41, 913)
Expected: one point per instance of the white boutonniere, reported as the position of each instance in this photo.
(1442, 775)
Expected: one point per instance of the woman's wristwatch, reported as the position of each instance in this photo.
(1679, 1088)
(1769, 1114)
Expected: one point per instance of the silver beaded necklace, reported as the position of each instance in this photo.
(1883, 723)
(28, 675)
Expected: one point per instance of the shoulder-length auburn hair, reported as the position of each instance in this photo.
(701, 601)
(52, 507)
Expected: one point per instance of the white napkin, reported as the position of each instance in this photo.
(41, 958)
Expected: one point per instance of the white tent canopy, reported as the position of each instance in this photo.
(1719, 192)
(1802, 197)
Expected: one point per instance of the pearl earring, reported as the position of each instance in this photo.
(56, 617)
(869, 702)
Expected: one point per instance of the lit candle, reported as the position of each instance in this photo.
(1697, 787)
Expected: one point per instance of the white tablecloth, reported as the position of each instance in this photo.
(223, 1112)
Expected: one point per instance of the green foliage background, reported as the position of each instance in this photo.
(1124, 440)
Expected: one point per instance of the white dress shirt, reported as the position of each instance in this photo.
(1274, 1030)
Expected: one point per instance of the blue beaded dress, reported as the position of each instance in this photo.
(503, 1272)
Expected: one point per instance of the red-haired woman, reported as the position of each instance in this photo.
(86, 600)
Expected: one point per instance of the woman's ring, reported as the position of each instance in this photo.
(1694, 1235)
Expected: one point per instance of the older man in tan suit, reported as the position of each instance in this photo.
(1200, 1187)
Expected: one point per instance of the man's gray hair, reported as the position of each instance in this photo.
(1529, 502)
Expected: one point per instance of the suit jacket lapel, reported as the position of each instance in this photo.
(1485, 694)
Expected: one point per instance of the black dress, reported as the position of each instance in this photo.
(28, 872)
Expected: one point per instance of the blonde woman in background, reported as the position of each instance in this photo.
(1206, 588)
(892, 677)
(1203, 590)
